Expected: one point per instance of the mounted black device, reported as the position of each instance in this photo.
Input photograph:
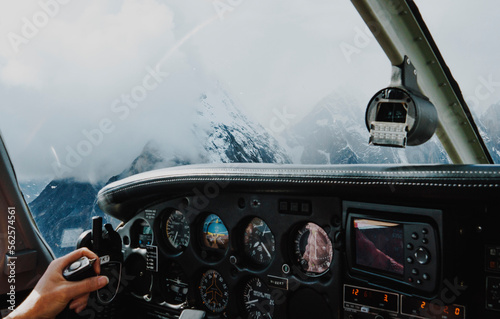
(107, 244)
(102, 241)
(400, 114)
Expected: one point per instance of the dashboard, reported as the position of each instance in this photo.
(239, 252)
(278, 241)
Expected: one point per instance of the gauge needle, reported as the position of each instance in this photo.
(267, 251)
(175, 237)
(251, 301)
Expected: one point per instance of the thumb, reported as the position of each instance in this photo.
(88, 285)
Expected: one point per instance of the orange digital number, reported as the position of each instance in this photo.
(422, 305)
(385, 298)
(355, 292)
(457, 311)
(445, 310)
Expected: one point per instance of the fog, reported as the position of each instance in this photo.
(102, 78)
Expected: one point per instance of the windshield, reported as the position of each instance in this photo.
(470, 53)
(94, 92)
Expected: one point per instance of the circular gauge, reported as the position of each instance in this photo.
(257, 299)
(177, 230)
(214, 291)
(259, 242)
(313, 249)
(215, 234)
(176, 285)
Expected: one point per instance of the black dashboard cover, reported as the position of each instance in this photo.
(122, 199)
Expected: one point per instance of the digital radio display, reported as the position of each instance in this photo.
(371, 298)
(379, 245)
(374, 301)
(433, 310)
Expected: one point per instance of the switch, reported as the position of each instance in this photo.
(422, 256)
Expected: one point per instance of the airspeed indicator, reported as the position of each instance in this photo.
(177, 231)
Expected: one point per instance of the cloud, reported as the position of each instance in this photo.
(89, 44)
(64, 79)
(64, 82)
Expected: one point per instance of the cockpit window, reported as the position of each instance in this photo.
(95, 92)
(471, 55)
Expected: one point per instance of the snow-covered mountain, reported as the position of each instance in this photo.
(32, 188)
(230, 135)
(489, 125)
(222, 134)
(63, 211)
(335, 133)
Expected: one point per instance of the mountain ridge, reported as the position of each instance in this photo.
(65, 207)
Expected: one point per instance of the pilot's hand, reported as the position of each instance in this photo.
(52, 292)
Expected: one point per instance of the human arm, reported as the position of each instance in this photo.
(53, 292)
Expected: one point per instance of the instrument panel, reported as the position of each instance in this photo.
(309, 243)
(227, 258)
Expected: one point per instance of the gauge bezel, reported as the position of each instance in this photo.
(225, 286)
(295, 258)
(241, 290)
(163, 217)
(168, 268)
(209, 254)
(241, 230)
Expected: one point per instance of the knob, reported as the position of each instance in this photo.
(422, 256)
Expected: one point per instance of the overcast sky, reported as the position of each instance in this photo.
(466, 33)
(133, 68)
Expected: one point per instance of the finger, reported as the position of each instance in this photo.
(80, 309)
(87, 285)
(78, 301)
(75, 305)
(97, 266)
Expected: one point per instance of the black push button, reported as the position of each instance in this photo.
(422, 256)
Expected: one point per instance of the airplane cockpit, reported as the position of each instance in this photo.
(205, 195)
